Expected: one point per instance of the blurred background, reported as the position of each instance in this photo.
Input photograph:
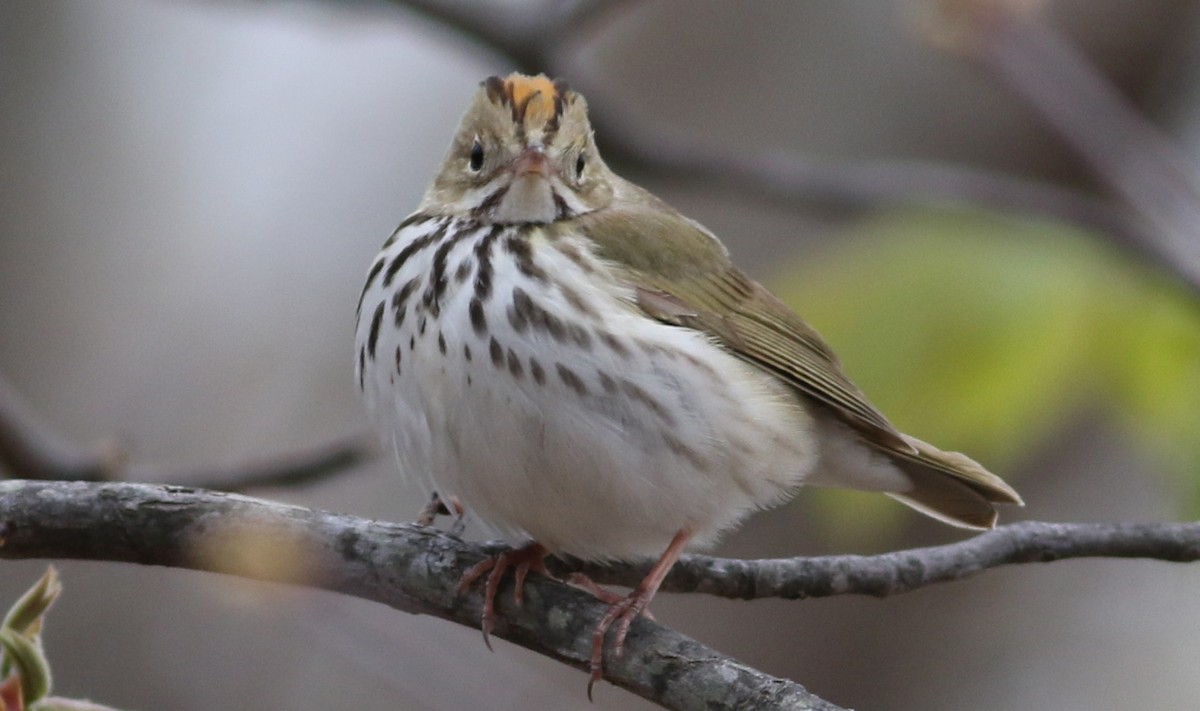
(191, 192)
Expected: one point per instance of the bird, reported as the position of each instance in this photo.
(589, 373)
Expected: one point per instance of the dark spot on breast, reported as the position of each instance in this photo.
(580, 336)
(535, 369)
(467, 351)
(514, 364)
(478, 322)
(374, 272)
(576, 301)
(362, 370)
(607, 382)
(417, 218)
(398, 352)
(572, 253)
(437, 275)
(518, 245)
(412, 248)
(681, 449)
(400, 298)
(483, 256)
(441, 343)
(551, 324)
(699, 364)
(636, 392)
(516, 319)
(463, 271)
(496, 352)
(614, 344)
(373, 336)
(570, 379)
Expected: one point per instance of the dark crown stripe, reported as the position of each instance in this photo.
(519, 92)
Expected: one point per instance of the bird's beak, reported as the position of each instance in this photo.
(532, 161)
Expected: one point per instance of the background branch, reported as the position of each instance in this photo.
(31, 447)
(1025, 54)
(1131, 155)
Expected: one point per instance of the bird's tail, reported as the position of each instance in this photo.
(950, 487)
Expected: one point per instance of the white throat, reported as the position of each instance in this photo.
(529, 199)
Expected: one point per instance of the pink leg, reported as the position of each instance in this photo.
(530, 556)
(624, 611)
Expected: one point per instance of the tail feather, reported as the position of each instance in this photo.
(950, 486)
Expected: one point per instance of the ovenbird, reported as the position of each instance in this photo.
(586, 369)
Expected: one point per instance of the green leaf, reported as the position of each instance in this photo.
(25, 655)
(25, 616)
(984, 333)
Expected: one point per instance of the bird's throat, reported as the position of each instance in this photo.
(529, 199)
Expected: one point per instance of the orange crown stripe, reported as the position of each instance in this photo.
(533, 97)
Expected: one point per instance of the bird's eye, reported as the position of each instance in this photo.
(476, 156)
(580, 164)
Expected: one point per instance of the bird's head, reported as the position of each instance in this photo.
(523, 154)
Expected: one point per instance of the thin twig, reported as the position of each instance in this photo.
(410, 568)
(38, 451)
(905, 571)
(289, 469)
(30, 448)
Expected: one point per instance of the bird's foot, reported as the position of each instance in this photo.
(448, 506)
(603, 594)
(529, 557)
(622, 611)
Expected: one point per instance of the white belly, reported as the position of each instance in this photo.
(577, 421)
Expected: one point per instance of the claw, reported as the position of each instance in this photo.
(524, 559)
(431, 510)
(624, 610)
(460, 517)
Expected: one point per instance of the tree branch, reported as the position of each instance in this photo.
(417, 570)
(410, 568)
